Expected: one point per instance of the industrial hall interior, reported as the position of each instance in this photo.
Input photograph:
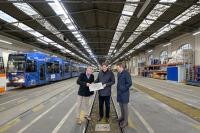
(99, 66)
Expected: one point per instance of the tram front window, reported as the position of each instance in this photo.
(2, 70)
(16, 63)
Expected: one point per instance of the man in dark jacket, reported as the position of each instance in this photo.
(123, 84)
(84, 80)
(107, 78)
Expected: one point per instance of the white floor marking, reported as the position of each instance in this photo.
(57, 128)
(147, 126)
(44, 113)
(11, 100)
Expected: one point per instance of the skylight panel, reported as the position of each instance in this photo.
(22, 26)
(168, 1)
(127, 12)
(25, 8)
(31, 12)
(59, 9)
(157, 11)
(192, 11)
(7, 17)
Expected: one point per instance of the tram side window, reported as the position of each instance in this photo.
(56, 68)
(31, 66)
(49, 67)
(66, 68)
(74, 69)
(1, 66)
(42, 72)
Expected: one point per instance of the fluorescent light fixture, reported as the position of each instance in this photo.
(168, 1)
(42, 41)
(3, 41)
(128, 13)
(167, 44)
(150, 51)
(71, 27)
(196, 33)
(78, 35)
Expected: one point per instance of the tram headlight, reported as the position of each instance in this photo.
(21, 80)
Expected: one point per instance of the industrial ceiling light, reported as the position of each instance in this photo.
(3, 41)
(196, 33)
(42, 41)
(167, 44)
(150, 51)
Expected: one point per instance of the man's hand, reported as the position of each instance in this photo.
(88, 84)
(104, 85)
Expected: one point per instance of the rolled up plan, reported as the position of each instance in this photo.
(96, 86)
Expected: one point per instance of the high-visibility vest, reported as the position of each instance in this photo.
(2, 83)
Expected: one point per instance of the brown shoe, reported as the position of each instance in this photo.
(120, 119)
(107, 120)
(88, 118)
(123, 124)
(100, 118)
(78, 122)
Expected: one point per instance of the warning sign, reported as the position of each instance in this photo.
(2, 83)
(102, 127)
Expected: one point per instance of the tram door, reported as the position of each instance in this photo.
(42, 72)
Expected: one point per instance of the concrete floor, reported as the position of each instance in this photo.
(51, 109)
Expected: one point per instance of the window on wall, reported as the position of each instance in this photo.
(185, 46)
(150, 57)
(163, 55)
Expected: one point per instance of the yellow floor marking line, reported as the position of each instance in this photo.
(82, 116)
(22, 100)
(10, 124)
(190, 111)
(131, 124)
(197, 127)
(38, 108)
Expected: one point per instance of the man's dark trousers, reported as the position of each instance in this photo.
(102, 100)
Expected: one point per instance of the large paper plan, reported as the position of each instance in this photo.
(96, 86)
